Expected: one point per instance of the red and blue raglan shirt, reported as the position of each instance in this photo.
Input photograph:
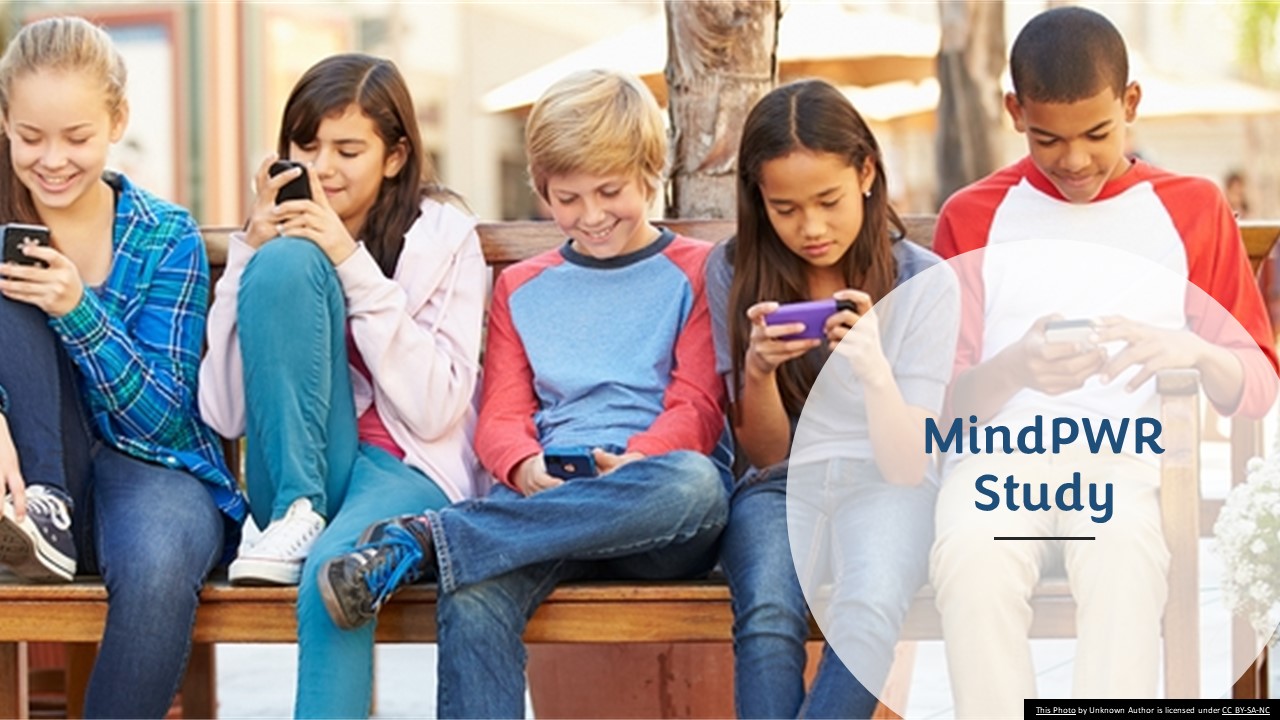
(1177, 222)
(613, 353)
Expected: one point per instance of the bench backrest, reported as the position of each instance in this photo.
(505, 243)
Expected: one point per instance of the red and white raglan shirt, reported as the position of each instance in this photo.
(1134, 251)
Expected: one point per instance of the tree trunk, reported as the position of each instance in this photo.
(970, 61)
(722, 56)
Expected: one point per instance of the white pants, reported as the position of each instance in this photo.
(984, 586)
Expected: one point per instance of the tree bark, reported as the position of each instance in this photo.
(722, 56)
(970, 61)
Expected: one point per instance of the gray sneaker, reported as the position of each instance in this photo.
(40, 548)
(393, 554)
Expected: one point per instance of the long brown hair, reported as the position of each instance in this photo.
(814, 116)
(56, 43)
(379, 90)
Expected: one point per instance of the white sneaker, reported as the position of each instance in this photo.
(276, 558)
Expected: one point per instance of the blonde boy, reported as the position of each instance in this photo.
(600, 350)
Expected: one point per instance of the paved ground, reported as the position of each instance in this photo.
(258, 681)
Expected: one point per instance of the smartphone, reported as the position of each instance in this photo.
(298, 188)
(568, 463)
(1068, 331)
(18, 236)
(813, 314)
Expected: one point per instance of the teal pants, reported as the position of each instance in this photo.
(301, 441)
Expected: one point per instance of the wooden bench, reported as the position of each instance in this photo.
(679, 612)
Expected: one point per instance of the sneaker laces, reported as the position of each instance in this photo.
(288, 535)
(394, 560)
(48, 504)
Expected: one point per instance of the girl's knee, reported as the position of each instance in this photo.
(765, 612)
(158, 579)
(287, 266)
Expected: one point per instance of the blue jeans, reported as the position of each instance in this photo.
(152, 532)
(302, 441)
(882, 558)
(653, 519)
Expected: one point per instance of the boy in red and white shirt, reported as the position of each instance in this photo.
(1099, 215)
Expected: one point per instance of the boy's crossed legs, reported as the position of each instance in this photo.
(654, 518)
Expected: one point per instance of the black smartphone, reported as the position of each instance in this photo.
(298, 188)
(568, 463)
(18, 236)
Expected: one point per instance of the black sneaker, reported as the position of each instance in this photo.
(392, 554)
(39, 548)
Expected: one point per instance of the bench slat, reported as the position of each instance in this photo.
(603, 612)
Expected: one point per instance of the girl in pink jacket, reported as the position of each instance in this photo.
(344, 342)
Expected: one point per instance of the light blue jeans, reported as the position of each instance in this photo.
(152, 532)
(301, 441)
(881, 559)
(653, 519)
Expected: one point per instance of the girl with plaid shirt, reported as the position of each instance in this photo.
(105, 464)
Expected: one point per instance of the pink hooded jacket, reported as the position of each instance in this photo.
(419, 334)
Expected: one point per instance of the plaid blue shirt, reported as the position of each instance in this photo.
(136, 341)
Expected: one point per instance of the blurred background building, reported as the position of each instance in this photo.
(208, 80)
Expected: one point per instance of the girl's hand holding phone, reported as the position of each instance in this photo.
(55, 289)
(861, 347)
(264, 224)
(767, 346)
(312, 219)
(316, 221)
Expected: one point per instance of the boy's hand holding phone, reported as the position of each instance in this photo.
(1055, 363)
(568, 463)
(1151, 349)
(557, 465)
(531, 476)
(607, 462)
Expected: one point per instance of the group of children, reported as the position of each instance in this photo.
(344, 345)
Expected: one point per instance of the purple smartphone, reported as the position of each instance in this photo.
(813, 314)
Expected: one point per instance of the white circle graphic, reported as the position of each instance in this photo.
(1051, 491)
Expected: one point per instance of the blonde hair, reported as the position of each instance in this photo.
(57, 43)
(598, 122)
(64, 43)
